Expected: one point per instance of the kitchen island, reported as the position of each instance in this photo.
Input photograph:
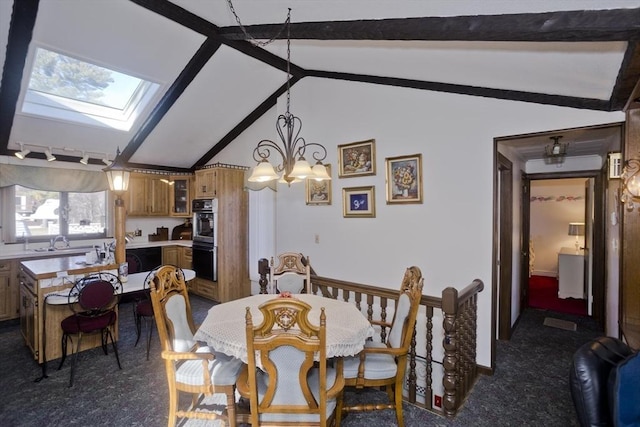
(39, 321)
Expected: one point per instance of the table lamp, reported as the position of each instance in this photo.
(576, 229)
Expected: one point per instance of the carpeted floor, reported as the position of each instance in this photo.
(543, 293)
(529, 387)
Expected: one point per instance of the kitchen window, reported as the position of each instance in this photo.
(41, 215)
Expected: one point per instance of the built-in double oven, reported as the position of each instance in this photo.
(205, 251)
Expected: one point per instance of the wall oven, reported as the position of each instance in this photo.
(205, 256)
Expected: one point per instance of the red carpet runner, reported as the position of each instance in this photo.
(543, 293)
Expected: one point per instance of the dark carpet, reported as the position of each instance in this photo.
(543, 293)
(529, 387)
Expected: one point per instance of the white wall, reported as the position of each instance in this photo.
(555, 203)
(449, 236)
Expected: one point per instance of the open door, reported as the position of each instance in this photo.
(505, 233)
(525, 250)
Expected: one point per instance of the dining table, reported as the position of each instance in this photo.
(224, 327)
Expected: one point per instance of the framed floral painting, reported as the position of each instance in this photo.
(359, 202)
(404, 179)
(357, 159)
(318, 192)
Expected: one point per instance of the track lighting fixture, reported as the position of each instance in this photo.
(23, 152)
(106, 160)
(50, 156)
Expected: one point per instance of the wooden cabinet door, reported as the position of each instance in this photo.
(29, 319)
(157, 197)
(205, 184)
(136, 201)
(170, 256)
(180, 197)
(186, 257)
(6, 300)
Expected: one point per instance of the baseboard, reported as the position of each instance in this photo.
(484, 370)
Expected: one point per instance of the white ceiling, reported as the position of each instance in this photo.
(130, 38)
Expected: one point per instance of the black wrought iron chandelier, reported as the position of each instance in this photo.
(294, 167)
(555, 154)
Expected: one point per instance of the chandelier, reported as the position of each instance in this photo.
(292, 148)
(630, 184)
(555, 154)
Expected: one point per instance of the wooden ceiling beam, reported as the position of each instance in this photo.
(572, 26)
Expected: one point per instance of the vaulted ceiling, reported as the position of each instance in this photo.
(214, 83)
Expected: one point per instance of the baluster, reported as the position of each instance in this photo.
(450, 345)
(429, 380)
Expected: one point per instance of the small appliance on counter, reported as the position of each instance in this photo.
(183, 231)
(162, 233)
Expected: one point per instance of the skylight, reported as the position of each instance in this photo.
(66, 88)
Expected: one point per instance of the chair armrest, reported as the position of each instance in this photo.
(338, 384)
(175, 355)
(380, 323)
(242, 384)
(384, 350)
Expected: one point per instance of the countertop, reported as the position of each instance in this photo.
(82, 249)
(49, 267)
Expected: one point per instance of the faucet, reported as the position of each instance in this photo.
(57, 239)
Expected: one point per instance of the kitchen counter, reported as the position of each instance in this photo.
(48, 268)
(82, 249)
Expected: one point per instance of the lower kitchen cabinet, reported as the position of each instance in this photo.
(9, 302)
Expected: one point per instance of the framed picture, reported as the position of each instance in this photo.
(359, 202)
(357, 159)
(615, 165)
(404, 179)
(318, 192)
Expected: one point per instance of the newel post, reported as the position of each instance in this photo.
(450, 344)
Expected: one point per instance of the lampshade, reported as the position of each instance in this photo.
(576, 229)
(263, 172)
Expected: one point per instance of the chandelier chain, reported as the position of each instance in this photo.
(249, 37)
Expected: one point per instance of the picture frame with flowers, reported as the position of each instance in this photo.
(357, 159)
(318, 192)
(404, 179)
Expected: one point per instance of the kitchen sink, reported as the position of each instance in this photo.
(78, 249)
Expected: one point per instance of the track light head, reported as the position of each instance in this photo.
(50, 156)
(85, 158)
(106, 160)
(23, 152)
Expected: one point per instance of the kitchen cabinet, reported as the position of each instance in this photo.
(148, 195)
(180, 195)
(571, 273)
(39, 321)
(9, 302)
(185, 256)
(170, 256)
(206, 183)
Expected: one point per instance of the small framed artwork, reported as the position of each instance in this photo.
(357, 159)
(359, 202)
(404, 179)
(615, 165)
(318, 192)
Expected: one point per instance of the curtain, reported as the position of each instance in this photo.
(53, 179)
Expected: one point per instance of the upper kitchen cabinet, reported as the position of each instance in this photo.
(148, 195)
(205, 184)
(180, 195)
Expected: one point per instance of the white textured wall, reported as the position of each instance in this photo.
(449, 236)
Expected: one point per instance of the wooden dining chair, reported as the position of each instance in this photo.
(292, 273)
(143, 310)
(190, 368)
(383, 364)
(94, 301)
(283, 381)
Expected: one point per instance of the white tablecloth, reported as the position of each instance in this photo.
(224, 327)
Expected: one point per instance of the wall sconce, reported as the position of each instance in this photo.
(576, 229)
(630, 187)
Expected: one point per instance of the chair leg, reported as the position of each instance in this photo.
(65, 337)
(138, 321)
(398, 404)
(150, 326)
(115, 347)
(339, 405)
(231, 406)
(75, 359)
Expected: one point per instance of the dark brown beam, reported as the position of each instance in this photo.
(578, 25)
(265, 106)
(199, 60)
(512, 95)
(628, 77)
(23, 20)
